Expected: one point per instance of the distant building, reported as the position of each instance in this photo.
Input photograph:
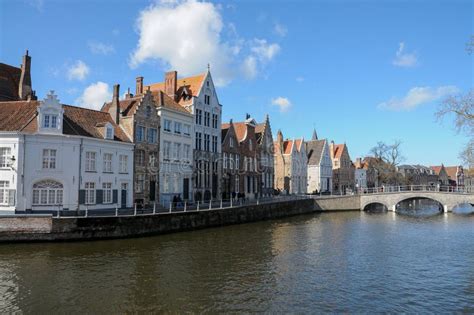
(319, 165)
(263, 132)
(15, 83)
(443, 177)
(291, 168)
(455, 174)
(360, 174)
(61, 157)
(415, 174)
(137, 116)
(342, 168)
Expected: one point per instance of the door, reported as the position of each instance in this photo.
(185, 188)
(124, 193)
(152, 190)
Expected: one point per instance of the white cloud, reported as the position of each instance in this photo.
(403, 59)
(283, 103)
(95, 95)
(418, 96)
(101, 48)
(78, 71)
(187, 35)
(280, 29)
(263, 50)
(299, 79)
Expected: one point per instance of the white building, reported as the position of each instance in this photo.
(197, 94)
(360, 176)
(176, 149)
(55, 156)
(319, 165)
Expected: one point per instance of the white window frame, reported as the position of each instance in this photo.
(47, 192)
(109, 133)
(108, 158)
(5, 155)
(90, 193)
(140, 184)
(49, 159)
(166, 150)
(177, 128)
(152, 135)
(91, 158)
(107, 193)
(7, 195)
(140, 134)
(123, 164)
(167, 125)
(187, 130)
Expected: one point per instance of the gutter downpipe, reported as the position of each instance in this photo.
(79, 177)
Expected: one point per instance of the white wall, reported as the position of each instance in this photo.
(10, 174)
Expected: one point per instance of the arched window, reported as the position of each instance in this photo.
(47, 192)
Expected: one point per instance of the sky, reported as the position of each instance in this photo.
(358, 72)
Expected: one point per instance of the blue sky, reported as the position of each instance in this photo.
(357, 71)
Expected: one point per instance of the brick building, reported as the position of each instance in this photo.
(15, 83)
(263, 132)
(343, 169)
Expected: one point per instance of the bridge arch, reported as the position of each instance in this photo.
(411, 204)
(463, 208)
(375, 207)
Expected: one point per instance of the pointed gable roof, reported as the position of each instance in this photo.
(315, 149)
(338, 150)
(315, 135)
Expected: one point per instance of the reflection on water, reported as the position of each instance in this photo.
(335, 262)
(421, 207)
(464, 208)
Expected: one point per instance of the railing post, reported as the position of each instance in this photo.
(59, 210)
(116, 210)
(221, 203)
(87, 211)
(257, 201)
(171, 206)
(154, 207)
(231, 201)
(210, 204)
(185, 205)
(135, 209)
(197, 209)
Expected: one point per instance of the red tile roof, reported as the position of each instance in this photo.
(21, 116)
(338, 149)
(191, 84)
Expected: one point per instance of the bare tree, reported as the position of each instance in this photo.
(462, 108)
(387, 158)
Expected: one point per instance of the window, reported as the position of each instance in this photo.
(90, 193)
(140, 135)
(148, 112)
(186, 151)
(237, 184)
(198, 140)
(187, 130)
(107, 163)
(90, 161)
(177, 128)
(231, 161)
(140, 157)
(140, 185)
(109, 133)
(214, 121)
(47, 192)
(5, 157)
(123, 164)
(237, 161)
(225, 160)
(198, 116)
(176, 151)
(54, 121)
(206, 142)
(152, 135)
(207, 99)
(214, 143)
(166, 150)
(167, 126)
(7, 196)
(206, 118)
(231, 142)
(107, 187)
(49, 159)
(250, 144)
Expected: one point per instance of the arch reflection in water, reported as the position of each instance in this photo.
(419, 207)
(375, 208)
(464, 208)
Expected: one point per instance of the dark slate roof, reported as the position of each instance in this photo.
(9, 81)
(314, 149)
(20, 116)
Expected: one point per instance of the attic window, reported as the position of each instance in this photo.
(207, 83)
(148, 111)
(50, 121)
(109, 132)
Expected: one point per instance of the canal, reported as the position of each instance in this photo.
(333, 262)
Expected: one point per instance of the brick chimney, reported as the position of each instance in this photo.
(114, 109)
(24, 86)
(139, 86)
(171, 83)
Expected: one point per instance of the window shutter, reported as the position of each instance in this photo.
(11, 197)
(99, 196)
(82, 196)
(114, 196)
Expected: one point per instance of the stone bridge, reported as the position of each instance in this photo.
(448, 200)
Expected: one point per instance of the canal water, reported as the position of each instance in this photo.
(332, 262)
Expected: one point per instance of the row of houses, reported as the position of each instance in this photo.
(164, 142)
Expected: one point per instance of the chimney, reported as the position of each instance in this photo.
(114, 109)
(171, 84)
(128, 95)
(24, 86)
(139, 86)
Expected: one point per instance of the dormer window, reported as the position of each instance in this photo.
(109, 132)
(50, 115)
(50, 121)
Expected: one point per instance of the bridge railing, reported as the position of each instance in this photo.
(408, 188)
